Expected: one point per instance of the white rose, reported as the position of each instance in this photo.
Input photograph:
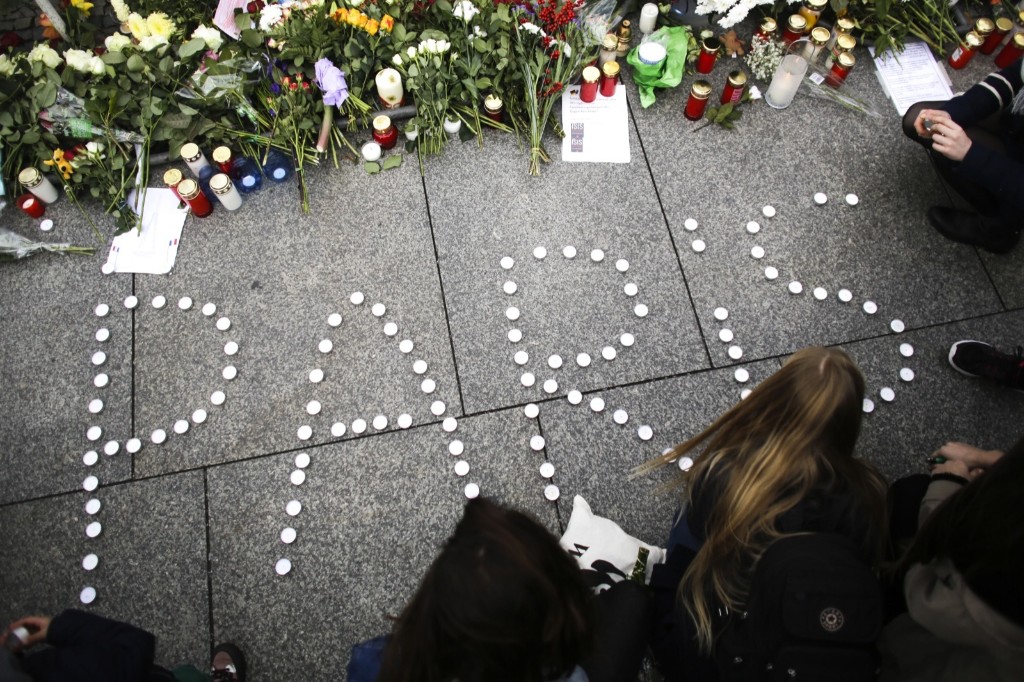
(479, 32)
(45, 54)
(96, 66)
(78, 59)
(117, 42)
(120, 10)
(397, 60)
(150, 43)
(431, 45)
(355, 3)
(6, 65)
(411, 52)
(93, 147)
(210, 36)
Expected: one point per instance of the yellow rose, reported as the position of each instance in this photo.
(361, 20)
(371, 27)
(340, 15)
(160, 25)
(137, 26)
(387, 23)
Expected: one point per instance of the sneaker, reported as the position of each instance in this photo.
(979, 359)
(228, 664)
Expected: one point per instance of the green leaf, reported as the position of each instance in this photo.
(252, 38)
(393, 161)
(113, 58)
(192, 47)
(136, 63)
(6, 119)
(30, 137)
(483, 83)
(372, 167)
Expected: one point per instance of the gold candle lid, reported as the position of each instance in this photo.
(1018, 40)
(221, 155)
(737, 79)
(816, 4)
(1004, 24)
(492, 102)
(610, 69)
(188, 189)
(984, 26)
(190, 151)
(220, 183)
(845, 42)
(701, 89)
(172, 177)
(769, 25)
(711, 45)
(30, 177)
(591, 74)
(1020, 17)
(845, 24)
(820, 35)
(846, 60)
(796, 22)
(973, 40)
(381, 123)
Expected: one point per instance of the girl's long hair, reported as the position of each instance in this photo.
(793, 434)
(502, 602)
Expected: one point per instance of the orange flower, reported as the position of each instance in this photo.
(371, 27)
(49, 32)
(387, 22)
(340, 15)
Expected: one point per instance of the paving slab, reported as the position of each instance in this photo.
(881, 249)
(374, 512)
(594, 455)
(46, 369)
(278, 275)
(939, 404)
(484, 207)
(152, 561)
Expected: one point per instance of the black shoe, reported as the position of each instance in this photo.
(227, 664)
(979, 359)
(967, 227)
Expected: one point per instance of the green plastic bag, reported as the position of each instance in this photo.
(667, 74)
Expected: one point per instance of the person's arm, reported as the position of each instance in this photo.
(992, 94)
(89, 647)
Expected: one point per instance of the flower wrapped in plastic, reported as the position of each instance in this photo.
(13, 246)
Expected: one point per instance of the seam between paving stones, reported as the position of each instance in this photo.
(671, 237)
(209, 563)
(444, 299)
(779, 357)
(131, 422)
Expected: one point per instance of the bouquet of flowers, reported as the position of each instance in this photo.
(430, 76)
(551, 48)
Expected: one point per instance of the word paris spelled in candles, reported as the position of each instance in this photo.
(177, 83)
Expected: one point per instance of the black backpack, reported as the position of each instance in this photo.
(813, 613)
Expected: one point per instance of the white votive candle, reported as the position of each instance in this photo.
(389, 88)
(225, 191)
(648, 18)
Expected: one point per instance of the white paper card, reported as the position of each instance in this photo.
(224, 18)
(154, 250)
(915, 77)
(597, 132)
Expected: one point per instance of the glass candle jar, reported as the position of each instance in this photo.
(172, 178)
(242, 169)
(840, 70)
(768, 30)
(964, 52)
(278, 166)
(384, 134)
(225, 192)
(493, 107)
(195, 159)
(222, 157)
(700, 91)
(1013, 50)
(983, 27)
(608, 50)
(843, 25)
(796, 26)
(204, 180)
(35, 182)
(588, 89)
(789, 75)
(709, 49)
(734, 87)
(188, 190)
(819, 39)
(811, 11)
(31, 204)
(609, 79)
(625, 36)
(844, 43)
(1002, 26)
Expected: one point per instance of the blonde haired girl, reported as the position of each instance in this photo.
(779, 462)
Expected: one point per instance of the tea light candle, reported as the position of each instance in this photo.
(371, 151)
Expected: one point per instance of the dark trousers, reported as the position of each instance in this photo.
(904, 502)
(621, 633)
(978, 196)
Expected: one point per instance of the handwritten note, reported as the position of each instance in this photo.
(915, 77)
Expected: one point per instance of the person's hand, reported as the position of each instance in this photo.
(948, 138)
(957, 468)
(974, 458)
(37, 627)
(927, 115)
